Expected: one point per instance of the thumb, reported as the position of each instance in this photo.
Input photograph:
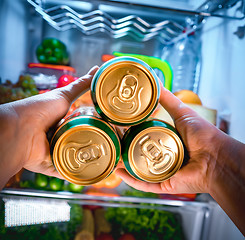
(59, 100)
(174, 106)
(75, 89)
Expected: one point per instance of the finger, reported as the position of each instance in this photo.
(75, 89)
(55, 110)
(120, 164)
(52, 173)
(137, 184)
(174, 106)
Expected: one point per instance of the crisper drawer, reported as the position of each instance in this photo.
(188, 220)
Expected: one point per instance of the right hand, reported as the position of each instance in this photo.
(202, 140)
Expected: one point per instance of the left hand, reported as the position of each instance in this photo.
(24, 125)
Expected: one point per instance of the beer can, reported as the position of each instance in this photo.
(85, 149)
(125, 91)
(152, 151)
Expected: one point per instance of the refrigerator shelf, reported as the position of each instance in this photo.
(129, 18)
(109, 201)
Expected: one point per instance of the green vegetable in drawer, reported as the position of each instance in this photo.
(41, 180)
(148, 224)
(144, 223)
(56, 184)
(75, 188)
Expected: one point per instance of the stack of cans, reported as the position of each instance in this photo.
(125, 92)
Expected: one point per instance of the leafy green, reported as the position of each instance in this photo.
(75, 221)
(148, 224)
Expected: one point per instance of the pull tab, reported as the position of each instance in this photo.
(88, 154)
(128, 87)
(79, 156)
(151, 150)
(125, 97)
(159, 157)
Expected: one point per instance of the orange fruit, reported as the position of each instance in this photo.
(111, 181)
(188, 96)
(105, 192)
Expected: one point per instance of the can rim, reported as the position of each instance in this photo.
(132, 136)
(108, 133)
(101, 74)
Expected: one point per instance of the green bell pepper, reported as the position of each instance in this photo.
(52, 51)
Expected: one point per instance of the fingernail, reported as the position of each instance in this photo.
(93, 69)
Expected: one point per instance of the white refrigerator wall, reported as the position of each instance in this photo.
(13, 38)
(222, 84)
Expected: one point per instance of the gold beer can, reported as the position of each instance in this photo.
(85, 149)
(152, 151)
(125, 91)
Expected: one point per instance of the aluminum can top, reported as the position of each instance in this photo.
(125, 91)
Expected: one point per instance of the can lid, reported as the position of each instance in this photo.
(85, 154)
(155, 154)
(126, 90)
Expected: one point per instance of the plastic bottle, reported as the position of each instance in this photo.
(185, 59)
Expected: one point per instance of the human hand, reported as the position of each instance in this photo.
(202, 141)
(24, 125)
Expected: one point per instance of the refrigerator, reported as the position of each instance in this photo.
(96, 29)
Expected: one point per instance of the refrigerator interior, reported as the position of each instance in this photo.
(220, 81)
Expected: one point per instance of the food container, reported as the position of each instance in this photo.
(125, 91)
(46, 76)
(85, 149)
(152, 151)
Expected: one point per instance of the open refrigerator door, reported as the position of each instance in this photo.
(93, 32)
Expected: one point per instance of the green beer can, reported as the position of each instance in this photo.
(152, 151)
(125, 91)
(85, 149)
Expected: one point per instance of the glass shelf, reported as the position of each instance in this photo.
(112, 201)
